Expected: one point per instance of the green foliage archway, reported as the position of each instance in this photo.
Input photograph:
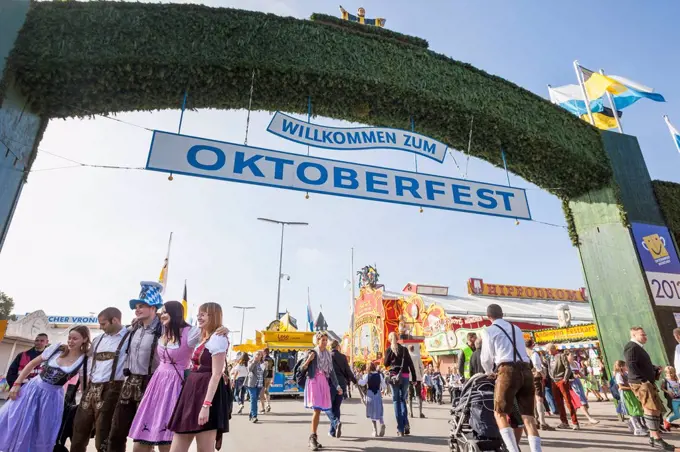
(77, 59)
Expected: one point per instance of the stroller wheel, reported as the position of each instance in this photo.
(472, 448)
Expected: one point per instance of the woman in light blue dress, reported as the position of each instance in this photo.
(31, 418)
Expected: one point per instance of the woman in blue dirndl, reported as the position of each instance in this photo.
(31, 418)
(320, 379)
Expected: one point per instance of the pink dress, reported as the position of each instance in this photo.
(151, 422)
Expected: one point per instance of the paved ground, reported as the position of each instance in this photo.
(286, 429)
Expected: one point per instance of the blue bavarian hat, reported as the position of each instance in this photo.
(149, 295)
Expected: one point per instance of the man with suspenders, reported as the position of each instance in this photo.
(107, 355)
(505, 357)
(140, 363)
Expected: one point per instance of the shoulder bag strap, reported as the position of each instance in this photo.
(174, 366)
(115, 359)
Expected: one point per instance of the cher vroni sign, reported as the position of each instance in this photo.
(355, 138)
(182, 154)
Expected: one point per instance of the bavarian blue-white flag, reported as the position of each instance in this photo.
(570, 97)
(674, 132)
(626, 92)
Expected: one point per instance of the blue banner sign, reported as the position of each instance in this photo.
(659, 262)
(356, 138)
(192, 156)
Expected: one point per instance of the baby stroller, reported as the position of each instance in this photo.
(473, 426)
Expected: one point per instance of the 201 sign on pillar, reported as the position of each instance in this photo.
(659, 261)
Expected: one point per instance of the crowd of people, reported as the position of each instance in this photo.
(158, 381)
(166, 384)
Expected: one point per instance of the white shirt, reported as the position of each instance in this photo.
(536, 361)
(676, 360)
(240, 371)
(498, 349)
(363, 381)
(193, 339)
(217, 344)
(100, 371)
(53, 359)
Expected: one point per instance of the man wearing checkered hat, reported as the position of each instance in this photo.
(140, 363)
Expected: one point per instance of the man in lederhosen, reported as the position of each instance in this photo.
(505, 357)
(97, 405)
(140, 363)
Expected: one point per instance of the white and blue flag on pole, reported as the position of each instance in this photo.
(570, 97)
(631, 91)
(310, 316)
(674, 132)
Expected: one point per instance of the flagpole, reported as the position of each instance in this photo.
(613, 105)
(167, 267)
(351, 310)
(582, 84)
(671, 129)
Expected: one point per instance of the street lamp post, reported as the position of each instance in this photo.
(283, 227)
(243, 317)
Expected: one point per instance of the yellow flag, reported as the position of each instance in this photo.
(602, 121)
(597, 84)
(185, 304)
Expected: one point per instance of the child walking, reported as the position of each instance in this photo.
(374, 381)
(630, 402)
(671, 386)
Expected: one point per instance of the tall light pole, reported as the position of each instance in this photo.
(243, 317)
(283, 227)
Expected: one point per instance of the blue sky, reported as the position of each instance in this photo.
(82, 239)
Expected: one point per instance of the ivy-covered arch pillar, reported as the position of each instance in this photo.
(619, 293)
(20, 128)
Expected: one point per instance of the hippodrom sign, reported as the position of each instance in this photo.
(193, 156)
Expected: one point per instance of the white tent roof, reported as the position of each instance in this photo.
(542, 312)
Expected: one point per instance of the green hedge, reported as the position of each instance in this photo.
(668, 196)
(77, 59)
(370, 30)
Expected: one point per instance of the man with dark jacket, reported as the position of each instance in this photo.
(642, 375)
(345, 377)
(476, 359)
(23, 358)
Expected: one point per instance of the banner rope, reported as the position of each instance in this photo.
(415, 156)
(507, 174)
(181, 119)
(467, 162)
(250, 105)
(309, 120)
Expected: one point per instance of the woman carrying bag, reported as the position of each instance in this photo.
(398, 361)
(320, 381)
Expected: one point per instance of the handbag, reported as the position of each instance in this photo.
(395, 377)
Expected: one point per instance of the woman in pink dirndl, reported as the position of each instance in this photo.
(320, 379)
(150, 427)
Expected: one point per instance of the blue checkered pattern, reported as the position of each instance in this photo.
(149, 295)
